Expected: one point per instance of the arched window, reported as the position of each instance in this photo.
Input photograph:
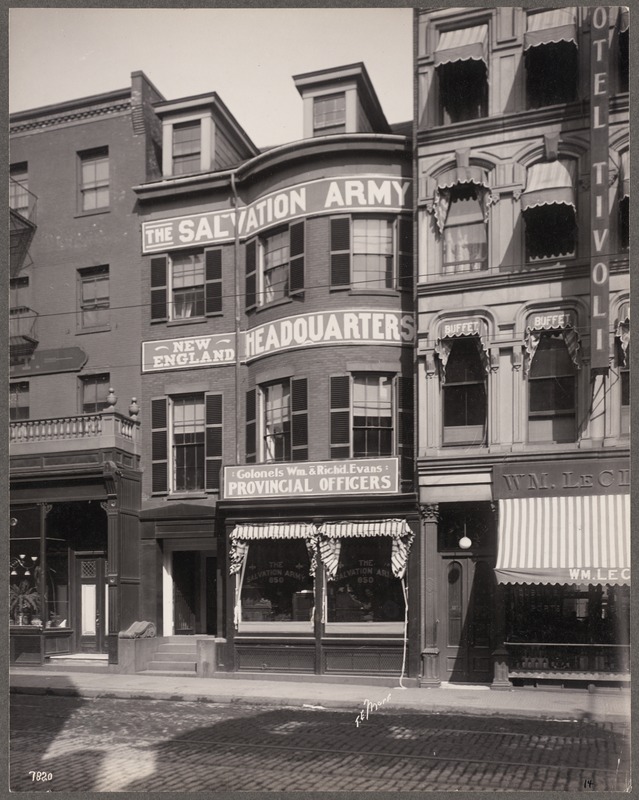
(465, 240)
(552, 386)
(464, 395)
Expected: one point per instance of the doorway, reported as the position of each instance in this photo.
(466, 604)
(190, 589)
(91, 614)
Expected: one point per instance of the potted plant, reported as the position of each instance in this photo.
(23, 597)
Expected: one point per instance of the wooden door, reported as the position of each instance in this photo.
(91, 602)
(466, 619)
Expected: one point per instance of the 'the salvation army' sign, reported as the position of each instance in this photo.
(323, 196)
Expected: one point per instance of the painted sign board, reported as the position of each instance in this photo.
(211, 350)
(599, 211)
(365, 193)
(562, 478)
(312, 478)
(58, 359)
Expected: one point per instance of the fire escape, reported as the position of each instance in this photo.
(23, 338)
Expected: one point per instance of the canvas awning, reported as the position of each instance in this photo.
(448, 331)
(331, 534)
(624, 19)
(623, 329)
(453, 177)
(549, 182)
(551, 26)
(564, 540)
(624, 175)
(553, 323)
(464, 44)
(273, 530)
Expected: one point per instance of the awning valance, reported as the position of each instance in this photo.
(464, 44)
(564, 540)
(549, 182)
(561, 323)
(273, 530)
(623, 329)
(624, 19)
(453, 177)
(451, 329)
(551, 26)
(331, 534)
(624, 175)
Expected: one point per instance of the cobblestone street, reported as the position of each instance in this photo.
(72, 744)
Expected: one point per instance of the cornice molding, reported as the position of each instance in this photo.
(64, 119)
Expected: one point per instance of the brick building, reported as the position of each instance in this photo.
(522, 399)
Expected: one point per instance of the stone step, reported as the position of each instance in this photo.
(175, 655)
(189, 647)
(178, 666)
(173, 673)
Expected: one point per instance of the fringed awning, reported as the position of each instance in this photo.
(623, 19)
(331, 534)
(548, 183)
(454, 177)
(463, 44)
(551, 26)
(565, 329)
(244, 533)
(624, 175)
(449, 330)
(623, 330)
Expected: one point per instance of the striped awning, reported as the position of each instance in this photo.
(551, 26)
(453, 177)
(464, 44)
(564, 540)
(567, 331)
(331, 534)
(549, 182)
(273, 530)
(624, 19)
(623, 329)
(448, 332)
(624, 175)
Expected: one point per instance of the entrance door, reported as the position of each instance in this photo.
(186, 610)
(466, 604)
(91, 602)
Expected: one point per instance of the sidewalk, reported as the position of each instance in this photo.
(565, 704)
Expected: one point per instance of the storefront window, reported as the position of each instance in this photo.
(364, 589)
(277, 586)
(57, 585)
(25, 602)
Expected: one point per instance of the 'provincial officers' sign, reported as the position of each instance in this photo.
(309, 478)
(324, 196)
(212, 350)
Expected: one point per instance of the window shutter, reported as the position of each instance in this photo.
(159, 446)
(158, 288)
(251, 274)
(213, 441)
(340, 416)
(251, 447)
(340, 251)
(299, 419)
(405, 435)
(296, 258)
(405, 254)
(213, 266)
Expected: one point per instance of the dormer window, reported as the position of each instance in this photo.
(329, 114)
(187, 147)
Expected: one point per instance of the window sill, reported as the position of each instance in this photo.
(274, 304)
(363, 628)
(92, 213)
(96, 329)
(281, 627)
(375, 292)
(172, 323)
(195, 495)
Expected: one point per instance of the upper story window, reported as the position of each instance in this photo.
(548, 205)
(552, 385)
(461, 67)
(19, 401)
(277, 421)
(329, 114)
(551, 57)
(363, 411)
(94, 391)
(624, 201)
(275, 266)
(186, 285)
(187, 147)
(624, 378)
(371, 253)
(19, 189)
(94, 180)
(186, 443)
(465, 240)
(623, 55)
(94, 296)
(19, 296)
(464, 397)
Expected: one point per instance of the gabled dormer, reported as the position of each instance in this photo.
(199, 134)
(340, 100)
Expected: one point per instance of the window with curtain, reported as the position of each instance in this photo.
(372, 254)
(276, 398)
(94, 180)
(552, 387)
(187, 139)
(95, 389)
(464, 396)
(465, 240)
(94, 297)
(275, 273)
(372, 415)
(188, 453)
(187, 285)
